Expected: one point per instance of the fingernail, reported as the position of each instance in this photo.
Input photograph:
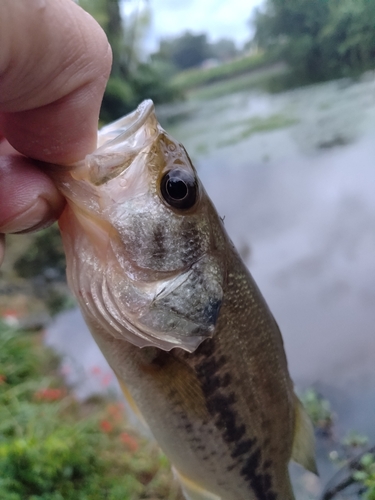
(36, 217)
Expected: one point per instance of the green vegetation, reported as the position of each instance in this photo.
(365, 475)
(186, 80)
(123, 94)
(271, 79)
(227, 70)
(226, 66)
(45, 256)
(54, 448)
(43, 264)
(191, 50)
(316, 41)
(266, 124)
(131, 80)
(354, 440)
(357, 464)
(320, 39)
(257, 124)
(319, 410)
(185, 51)
(352, 455)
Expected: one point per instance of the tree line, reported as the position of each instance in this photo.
(190, 50)
(132, 79)
(319, 39)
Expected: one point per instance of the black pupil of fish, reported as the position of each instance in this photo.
(177, 189)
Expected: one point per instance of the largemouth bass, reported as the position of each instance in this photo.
(178, 316)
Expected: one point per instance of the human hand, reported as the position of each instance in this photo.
(54, 64)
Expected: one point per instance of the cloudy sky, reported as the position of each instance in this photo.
(217, 18)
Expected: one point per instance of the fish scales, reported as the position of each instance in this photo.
(226, 428)
(180, 319)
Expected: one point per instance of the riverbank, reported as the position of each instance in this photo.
(257, 71)
(55, 447)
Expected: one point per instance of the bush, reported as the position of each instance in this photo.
(119, 99)
(44, 258)
(319, 40)
(55, 448)
(148, 81)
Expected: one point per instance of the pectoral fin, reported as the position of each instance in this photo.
(193, 491)
(131, 402)
(303, 451)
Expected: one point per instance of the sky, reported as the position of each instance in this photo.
(217, 18)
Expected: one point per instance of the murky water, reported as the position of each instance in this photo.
(294, 176)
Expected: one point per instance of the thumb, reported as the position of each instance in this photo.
(54, 64)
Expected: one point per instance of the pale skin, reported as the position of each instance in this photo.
(54, 64)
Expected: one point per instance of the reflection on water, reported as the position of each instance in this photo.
(294, 176)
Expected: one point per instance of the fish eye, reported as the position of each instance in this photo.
(179, 189)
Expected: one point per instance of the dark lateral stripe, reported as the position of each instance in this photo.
(260, 483)
(243, 447)
(221, 408)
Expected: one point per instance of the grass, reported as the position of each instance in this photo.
(197, 77)
(54, 448)
(265, 79)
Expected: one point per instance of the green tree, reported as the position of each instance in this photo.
(348, 38)
(224, 49)
(131, 80)
(123, 32)
(185, 51)
(319, 39)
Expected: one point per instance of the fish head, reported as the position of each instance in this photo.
(144, 244)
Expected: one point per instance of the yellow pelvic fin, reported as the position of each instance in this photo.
(303, 451)
(191, 490)
(130, 400)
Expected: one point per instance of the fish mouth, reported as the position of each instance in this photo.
(119, 143)
(114, 134)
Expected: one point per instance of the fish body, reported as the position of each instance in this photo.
(179, 317)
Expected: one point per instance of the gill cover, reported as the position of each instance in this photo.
(140, 261)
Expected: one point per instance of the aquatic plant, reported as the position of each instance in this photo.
(356, 474)
(319, 410)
